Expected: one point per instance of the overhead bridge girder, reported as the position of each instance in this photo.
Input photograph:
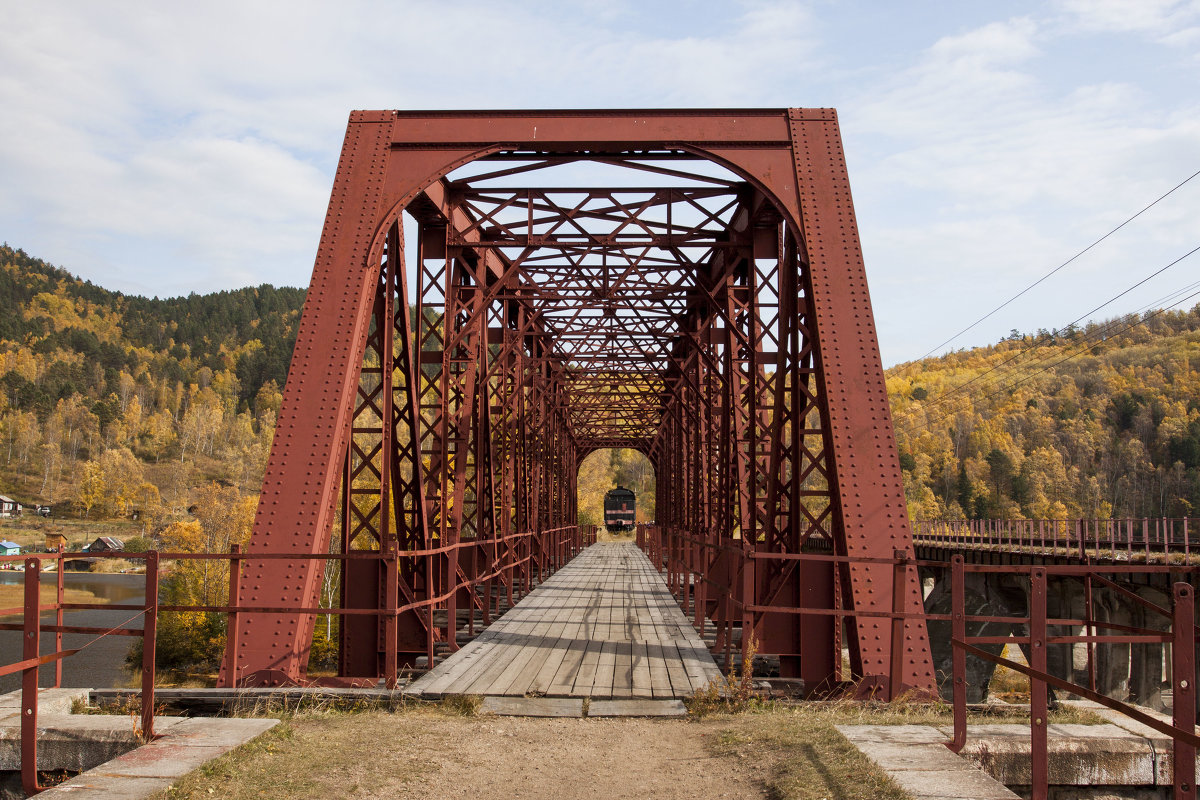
(437, 409)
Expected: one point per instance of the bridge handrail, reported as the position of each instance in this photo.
(685, 557)
(556, 546)
(1119, 539)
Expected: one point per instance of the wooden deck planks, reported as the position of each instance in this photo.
(603, 626)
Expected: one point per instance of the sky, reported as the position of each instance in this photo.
(168, 148)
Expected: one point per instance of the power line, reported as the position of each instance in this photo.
(1060, 266)
(1085, 345)
(1036, 344)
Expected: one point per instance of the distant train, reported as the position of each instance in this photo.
(620, 509)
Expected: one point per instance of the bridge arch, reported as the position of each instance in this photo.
(752, 371)
(597, 474)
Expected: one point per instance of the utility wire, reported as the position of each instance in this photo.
(1084, 347)
(1060, 266)
(1036, 344)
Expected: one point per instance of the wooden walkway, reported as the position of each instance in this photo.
(603, 626)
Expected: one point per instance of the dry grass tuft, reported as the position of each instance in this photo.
(801, 756)
(310, 705)
(319, 750)
(731, 694)
(461, 705)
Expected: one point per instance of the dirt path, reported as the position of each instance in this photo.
(432, 753)
(509, 757)
(427, 754)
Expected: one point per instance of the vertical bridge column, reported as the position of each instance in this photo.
(542, 336)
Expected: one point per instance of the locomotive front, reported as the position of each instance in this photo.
(620, 510)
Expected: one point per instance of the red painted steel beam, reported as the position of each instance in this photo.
(397, 160)
(872, 509)
(584, 129)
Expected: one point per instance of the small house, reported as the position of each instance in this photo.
(9, 507)
(105, 544)
(8, 548)
(55, 541)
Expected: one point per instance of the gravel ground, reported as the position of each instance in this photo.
(428, 754)
(509, 757)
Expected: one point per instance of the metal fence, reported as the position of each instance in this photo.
(519, 562)
(1119, 539)
(687, 562)
(682, 558)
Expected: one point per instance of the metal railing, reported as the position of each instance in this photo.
(686, 558)
(1119, 539)
(1181, 637)
(519, 561)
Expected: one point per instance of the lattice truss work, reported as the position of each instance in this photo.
(715, 318)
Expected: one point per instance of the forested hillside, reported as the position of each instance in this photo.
(607, 469)
(110, 403)
(1101, 421)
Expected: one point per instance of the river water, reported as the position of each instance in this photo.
(100, 664)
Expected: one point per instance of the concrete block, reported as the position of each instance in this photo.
(916, 758)
(902, 755)
(107, 786)
(913, 734)
(1119, 761)
(103, 748)
(50, 701)
(220, 731)
(73, 743)
(962, 784)
(1075, 731)
(161, 759)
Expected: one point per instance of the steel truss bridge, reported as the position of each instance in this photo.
(498, 295)
(696, 292)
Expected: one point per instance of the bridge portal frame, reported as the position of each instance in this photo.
(406, 460)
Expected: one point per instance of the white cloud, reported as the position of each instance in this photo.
(168, 148)
(1157, 17)
(993, 44)
(1006, 175)
(213, 128)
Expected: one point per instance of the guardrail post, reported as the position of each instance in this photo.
(431, 591)
(492, 549)
(149, 640)
(450, 590)
(58, 618)
(391, 599)
(1183, 700)
(1037, 687)
(899, 576)
(512, 554)
(1090, 630)
(232, 633)
(958, 637)
(30, 649)
(749, 597)
(686, 570)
